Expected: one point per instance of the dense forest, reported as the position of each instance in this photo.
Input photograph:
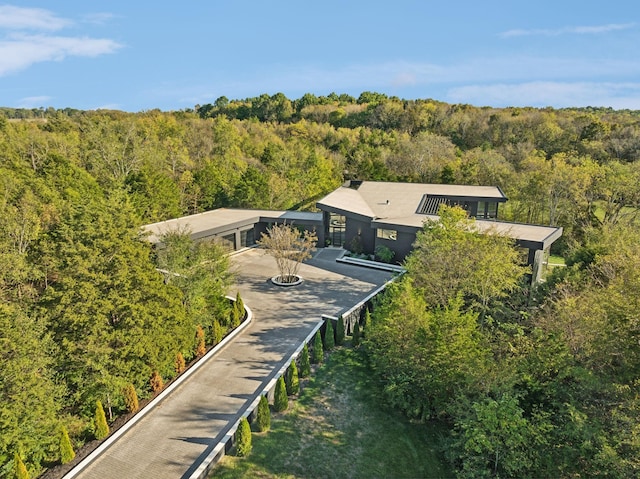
(531, 382)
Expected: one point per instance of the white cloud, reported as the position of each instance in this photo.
(98, 18)
(18, 18)
(578, 30)
(557, 94)
(21, 51)
(33, 101)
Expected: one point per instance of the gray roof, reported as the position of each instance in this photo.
(224, 219)
(396, 206)
(381, 199)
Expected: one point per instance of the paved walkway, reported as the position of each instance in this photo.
(170, 441)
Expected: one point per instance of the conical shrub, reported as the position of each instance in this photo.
(180, 363)
(66, 448)
(318, 352)
(366, 322)
(305, 363)
(216, 332)
(19, 468)
(131, 398)
(340, 331)
(280, 398)
(243, 438)
(329, 340)
(263, 417)
(156, 382)
(355, 339)
(292, 381)
(200, 345)
(100, 422)
(239, 305)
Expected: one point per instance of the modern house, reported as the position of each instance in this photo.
(370, 213)
(364, 214)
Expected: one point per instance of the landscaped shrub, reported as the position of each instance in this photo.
(329, 340)
(366, 322)
(200, 345)
(384, 253)
(318, 352)
(355, 338)
(340, 331)
(216, 332)
(239, 305)
(66, 448)
(180, 363)
(130, 398)
(263, 417)
(156, 382)
(292, 380)
(100, 422)
(235, 317)
(305, 363)
(280, 398)
(243, 438)
(19, 468)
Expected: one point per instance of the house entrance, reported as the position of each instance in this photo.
(337, 226)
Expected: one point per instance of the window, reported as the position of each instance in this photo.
(487, 209)
(387, 234)
(228, 242)
(247, 238)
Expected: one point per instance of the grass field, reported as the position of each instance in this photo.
(339, 428)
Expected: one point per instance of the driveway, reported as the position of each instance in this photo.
(170, 441)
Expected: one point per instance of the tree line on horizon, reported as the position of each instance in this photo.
(80, 296)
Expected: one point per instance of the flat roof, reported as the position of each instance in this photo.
(216, 221)
(531, 236)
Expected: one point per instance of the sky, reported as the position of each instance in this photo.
(135, 56)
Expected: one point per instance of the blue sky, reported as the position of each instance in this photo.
(174, 55)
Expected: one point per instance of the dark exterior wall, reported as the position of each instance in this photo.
(357, 228)
(402, 246)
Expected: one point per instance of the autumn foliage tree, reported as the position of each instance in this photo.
(289, 248)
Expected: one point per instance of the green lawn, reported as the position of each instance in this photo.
(339, 428)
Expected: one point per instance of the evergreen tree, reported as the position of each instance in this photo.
(239, 305)
(100, 422)
(292, 381)
(305, 363)
(20, 469)
(355, 338)
(340, 331)
(318, 352)
(280, 399)
(329, 340)
(235, 317)
(156, 382)
(243, 438)
(366, 322)
(200, 344)
(66, 448)
(180, 363)
(216, 332)
(263, 417)
(131, 398)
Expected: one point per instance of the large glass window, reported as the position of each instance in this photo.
(247, 238)
(337, 226)
(387, 234)
(228, 242)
